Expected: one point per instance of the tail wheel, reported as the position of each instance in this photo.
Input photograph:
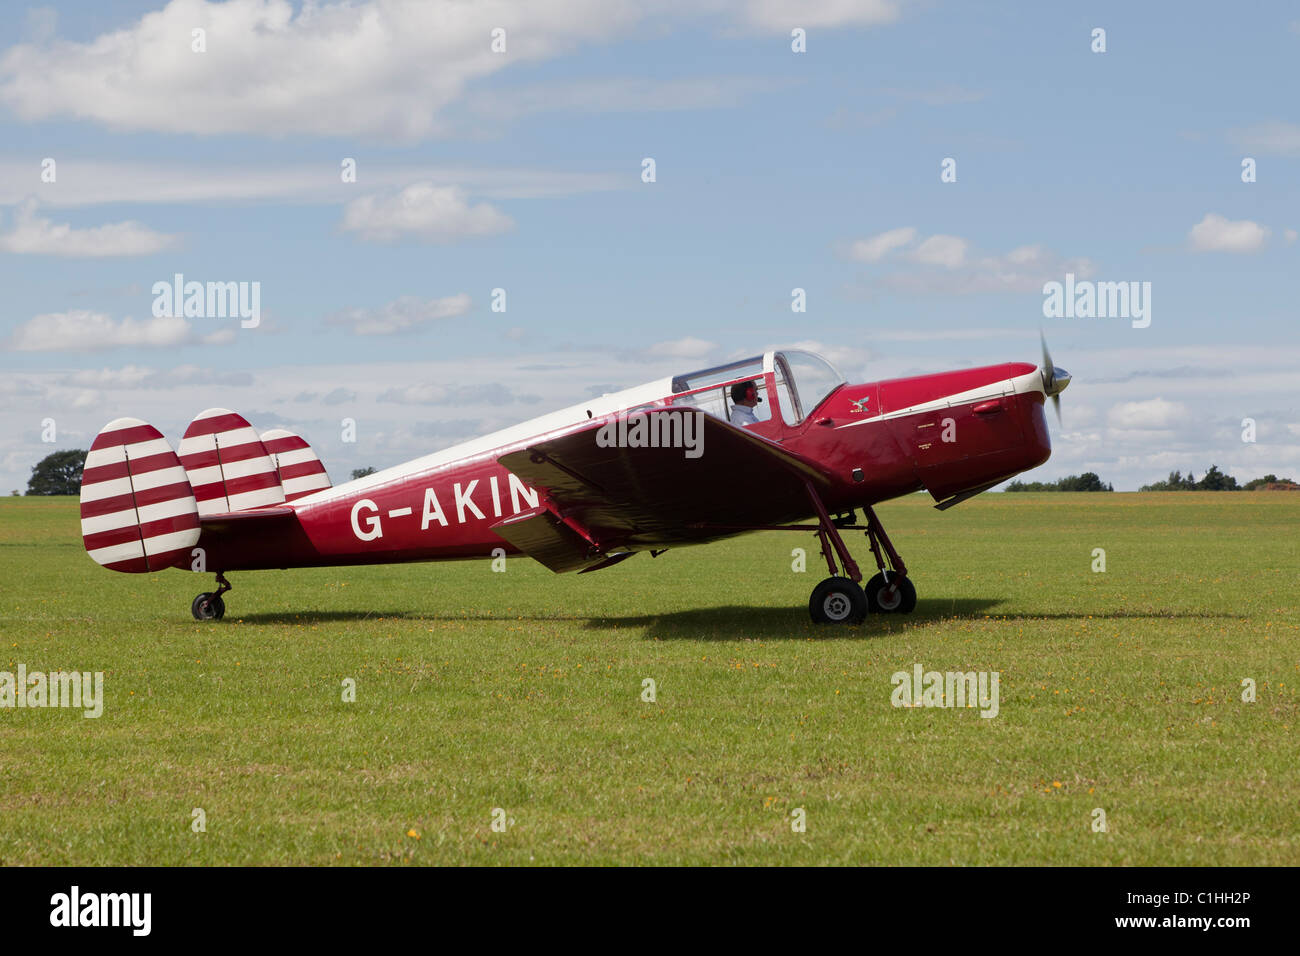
(837, 601)
(895, 595)
(208, 607)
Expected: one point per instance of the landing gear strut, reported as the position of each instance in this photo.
(840, 599)
(891, 591)
(209, 606)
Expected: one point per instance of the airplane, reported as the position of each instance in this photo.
(659, 466)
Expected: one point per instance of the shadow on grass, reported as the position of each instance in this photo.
(735, 622)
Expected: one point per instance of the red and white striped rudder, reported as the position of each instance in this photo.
(227, 464)
(300, 468)
(138, 511)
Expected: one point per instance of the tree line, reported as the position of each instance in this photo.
(59, 473)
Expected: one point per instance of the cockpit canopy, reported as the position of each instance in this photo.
(801, 381)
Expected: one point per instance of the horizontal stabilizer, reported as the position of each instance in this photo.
(138, 511)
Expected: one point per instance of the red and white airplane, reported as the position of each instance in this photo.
(658, 466)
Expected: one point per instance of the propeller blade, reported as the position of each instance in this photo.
(1049, 369)
(1054, 379)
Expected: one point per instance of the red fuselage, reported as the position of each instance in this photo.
(946, 433)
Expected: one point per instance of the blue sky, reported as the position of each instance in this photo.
(522, 170)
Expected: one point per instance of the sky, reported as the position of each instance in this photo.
(921, 170)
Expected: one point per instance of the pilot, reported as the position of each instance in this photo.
(745, 397)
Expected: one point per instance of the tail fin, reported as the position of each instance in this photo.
(300, 469)
(227, 464)
(138, 511)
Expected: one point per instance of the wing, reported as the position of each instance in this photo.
(608, 488)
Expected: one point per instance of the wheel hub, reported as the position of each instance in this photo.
(837, 606)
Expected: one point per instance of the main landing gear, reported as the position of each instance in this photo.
(208, 606)
(840, 599)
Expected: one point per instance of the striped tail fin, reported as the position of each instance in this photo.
(227, 464)
(138, 512)
(300, 469)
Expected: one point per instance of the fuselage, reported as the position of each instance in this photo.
(946, 433)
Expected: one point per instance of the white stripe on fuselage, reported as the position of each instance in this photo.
(1020, 385)
(518, 436)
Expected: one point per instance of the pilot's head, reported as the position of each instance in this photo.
(745, 393)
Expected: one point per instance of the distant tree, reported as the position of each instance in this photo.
(1175, 482)
(1257, 483)
(58, 473)
(1026, 487)
(1215, 480)
(1088, 481)
(361, 472)
(1212, 480)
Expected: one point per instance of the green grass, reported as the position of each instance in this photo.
(522, 690)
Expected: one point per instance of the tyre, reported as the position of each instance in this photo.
(837, 601)
(884, 599)
(208, 607)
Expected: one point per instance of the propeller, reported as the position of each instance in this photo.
(1055, 379)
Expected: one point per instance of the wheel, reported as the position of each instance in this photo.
(208, 607)
(837, 601)
(884, 598)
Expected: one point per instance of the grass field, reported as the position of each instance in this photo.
(523, 691)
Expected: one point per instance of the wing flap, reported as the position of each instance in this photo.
(542, 535)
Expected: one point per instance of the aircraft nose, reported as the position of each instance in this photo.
(1059, 379)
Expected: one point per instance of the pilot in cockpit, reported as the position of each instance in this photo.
(744, 395)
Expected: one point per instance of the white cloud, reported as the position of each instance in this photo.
(381, 68)
(850, 360)
(1215, 233)
(1023, 269)
(1272, 138)
(1154, 414)
(93, 181)
(1291, 235)
(34, 235)
(401, 315)
(780, 15)
(946, 251)
(688, 348)
(432, 393)
(1256, 376)
(135, 376)
(425, 212)
(384, 68)
(878, 246)
(80, 330)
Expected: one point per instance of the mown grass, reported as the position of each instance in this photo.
(522, 690)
